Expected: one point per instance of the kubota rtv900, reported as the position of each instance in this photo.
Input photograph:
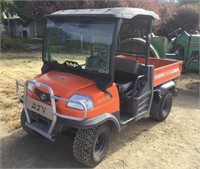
(92, 81)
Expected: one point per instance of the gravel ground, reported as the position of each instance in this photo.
(174, 143)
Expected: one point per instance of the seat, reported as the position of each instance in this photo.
(126, 72)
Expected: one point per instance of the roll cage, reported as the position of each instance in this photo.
(103, 81)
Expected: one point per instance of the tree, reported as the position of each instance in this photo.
(29, 10)
(152, 5)
(188, 1)
(7, 8)
(187, 17)
(167, 18)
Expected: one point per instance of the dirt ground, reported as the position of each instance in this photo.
(174, 143)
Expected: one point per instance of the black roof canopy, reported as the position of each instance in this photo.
(121, 12)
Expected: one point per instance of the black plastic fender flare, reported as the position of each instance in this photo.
(170, 85)
(95, 121)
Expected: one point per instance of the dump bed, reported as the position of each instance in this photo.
(164, 69)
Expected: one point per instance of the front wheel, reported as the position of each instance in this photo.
(161, 106)
(91, 145)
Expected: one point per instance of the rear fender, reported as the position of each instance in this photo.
(170, 85)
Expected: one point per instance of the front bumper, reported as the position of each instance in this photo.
(49, 112)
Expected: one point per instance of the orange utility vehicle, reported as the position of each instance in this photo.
(91, 82)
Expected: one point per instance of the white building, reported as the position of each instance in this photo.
(15, 28)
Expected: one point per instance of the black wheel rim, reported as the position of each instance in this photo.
(100, 144)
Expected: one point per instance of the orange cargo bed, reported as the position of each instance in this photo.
(165, 69)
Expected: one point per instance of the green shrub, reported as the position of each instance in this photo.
(9, 44)
(174, 16)
(187, 17)
(31, 41)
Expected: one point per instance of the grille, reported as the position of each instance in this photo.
(42, 95)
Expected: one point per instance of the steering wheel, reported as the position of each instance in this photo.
(96, 62)
(72, 64)
(174, 33)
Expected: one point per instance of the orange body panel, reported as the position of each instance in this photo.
(164, 69)
(102, 102)
(66, 84)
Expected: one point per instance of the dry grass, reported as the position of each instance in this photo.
(15, 66)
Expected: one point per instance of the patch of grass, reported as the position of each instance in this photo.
(11, 120)
(13, 69)
(9, 44)
(33, 41)
(7, 93)
(8, 105)
(21, 55)
(20, 44)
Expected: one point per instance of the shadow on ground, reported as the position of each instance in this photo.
(19, 150)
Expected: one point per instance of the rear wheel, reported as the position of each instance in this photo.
(161, 106)
(23, 124)
(91, 145)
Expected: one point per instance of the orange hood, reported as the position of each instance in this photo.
(64, 84)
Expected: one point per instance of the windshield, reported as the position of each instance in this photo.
(81, 44)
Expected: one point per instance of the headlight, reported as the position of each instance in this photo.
(87, 101)
(31, 86)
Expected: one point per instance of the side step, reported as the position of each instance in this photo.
(125, 120)
(41, 129)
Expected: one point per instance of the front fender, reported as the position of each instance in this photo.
(95, 121)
